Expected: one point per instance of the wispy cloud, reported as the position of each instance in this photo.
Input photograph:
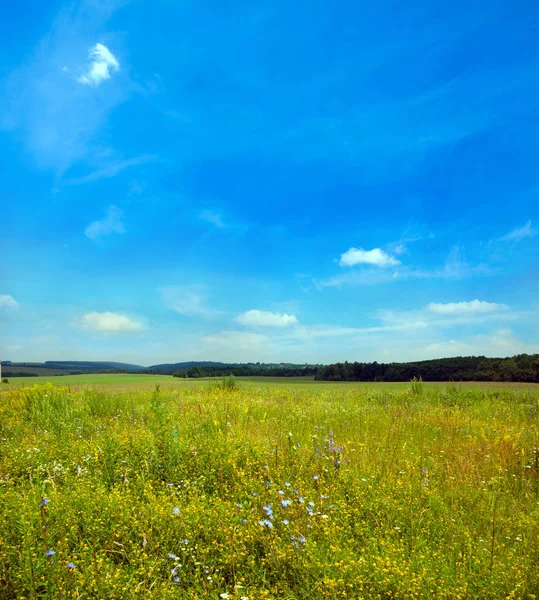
(358, 256)
(519, 233)
(102, 63)
(109, 322)
(454, 267)
(111, 223)
(188, 300)
(112, 170)
(473, 307)
(212, 217)
(264, 318)
(7, 302)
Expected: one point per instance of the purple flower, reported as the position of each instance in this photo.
(71, 566)
(44, 501)
(50, 553)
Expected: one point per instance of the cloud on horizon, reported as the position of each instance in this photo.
(109, 322)
(264, 318)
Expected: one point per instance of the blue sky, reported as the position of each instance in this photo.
(269, 181)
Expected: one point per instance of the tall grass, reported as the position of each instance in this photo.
(217, 492)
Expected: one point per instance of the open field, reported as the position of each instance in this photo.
(305, 491)
(144, 381)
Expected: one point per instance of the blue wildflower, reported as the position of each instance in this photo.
(50, 553)
(286, 521)
(44, 501)
(71, 566)
(281, 493)
(285, 503)
(175, 511)
(172, 556)
(239, 505)
(301, 500)
(287, 484)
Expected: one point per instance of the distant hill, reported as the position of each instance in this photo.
(85, 365)
(173, 367)
(65, 367)
(522, 367)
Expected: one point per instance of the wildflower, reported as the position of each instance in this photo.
(286, 522)
(255, 494)
(287, 484)
(311, 503)
(71, 566)
(285, 503)
(268, 484)
(172, 556)
(173, 572)
(44, 501)
(224, 595)
(176, 579)
(243, 521)
(268, 510)
(184, 542)
(266, 522)
(315, 477)
(281, 493)
(175, 511)
(301, 500)
(302, 540)
(239, 505)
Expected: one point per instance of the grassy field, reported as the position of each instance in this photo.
(304, 490)
(143, 381)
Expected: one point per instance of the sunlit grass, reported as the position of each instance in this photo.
(204, 491)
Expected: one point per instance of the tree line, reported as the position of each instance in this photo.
(523, 368)
(246, 370)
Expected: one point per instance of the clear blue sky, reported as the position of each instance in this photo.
(269, 181)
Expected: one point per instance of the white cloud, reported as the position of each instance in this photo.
(213, 218)
(109, 321)
(188, 300)
(112, 170)
(102, 64)
(377, 257)
(8, 302)
(520, 233)
(474, 307)
(111, 223)
(263, 318)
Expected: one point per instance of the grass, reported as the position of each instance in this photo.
(147, 382)
(307, 491)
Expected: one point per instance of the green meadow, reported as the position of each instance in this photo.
(141, 486)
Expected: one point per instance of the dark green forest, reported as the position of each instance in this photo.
(523, 368)
(249, 369)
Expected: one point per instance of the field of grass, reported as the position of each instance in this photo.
(144, 381)
(303, 491)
